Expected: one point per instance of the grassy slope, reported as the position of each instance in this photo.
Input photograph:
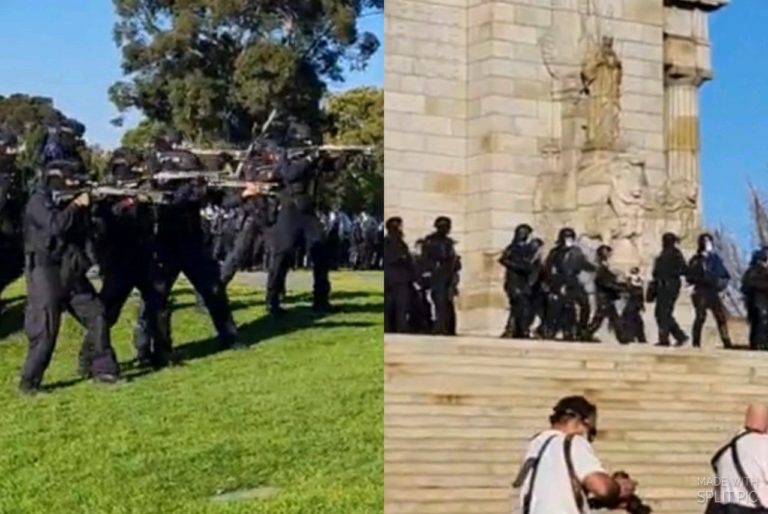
(301, 411)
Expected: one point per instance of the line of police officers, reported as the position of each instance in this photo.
(144, 245)
(551, 288)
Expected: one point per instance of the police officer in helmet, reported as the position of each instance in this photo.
(55, 236)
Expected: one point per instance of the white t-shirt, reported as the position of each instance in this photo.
(552, 494)
(753, 454)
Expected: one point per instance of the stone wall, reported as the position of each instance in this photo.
(485, 115)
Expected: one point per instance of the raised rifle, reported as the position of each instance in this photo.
(173, 176)
(101, 192)
(328, 150)
(266, 188)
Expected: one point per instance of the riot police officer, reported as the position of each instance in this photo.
(125, 251)
(180, 248)
(399, 274)
(568, 303)
(56, 264)
(608, 290)
(443, 265)
(517, 260)
(668, 269)
(258, 211)
(754, 286)
(297, 225)
(709, 277)
(539, 288)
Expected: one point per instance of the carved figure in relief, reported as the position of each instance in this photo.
(601, 75)
(620, 220)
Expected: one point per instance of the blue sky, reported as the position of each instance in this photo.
(734, 115)
(51, 48)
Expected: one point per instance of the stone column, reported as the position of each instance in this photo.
(681, 128)
(687, 66)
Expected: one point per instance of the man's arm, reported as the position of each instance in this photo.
(56, 222)
(590, 473)
(292, 171)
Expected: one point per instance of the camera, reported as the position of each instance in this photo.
(633, 505)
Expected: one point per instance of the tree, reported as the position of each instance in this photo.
(21, 113)
(215, 68)
(28, 117)
(356, 117)
(144, 134)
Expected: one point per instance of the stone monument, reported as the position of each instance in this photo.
(551, 112)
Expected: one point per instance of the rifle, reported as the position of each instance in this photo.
(172, 176)
(98, 192)
(328, 149)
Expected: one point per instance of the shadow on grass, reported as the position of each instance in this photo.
(336, 297)
(11, 316)
(294, 320)
(127, 377)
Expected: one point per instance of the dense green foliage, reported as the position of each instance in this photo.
(215, 68)
(356, 117)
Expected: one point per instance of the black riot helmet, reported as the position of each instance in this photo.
(394, 225)
(566, 234)
(123, 165)
(604, 253)
(522, 233)
(759, 257)
(763, 256)
(443, 225)
(669, 240)
(299, 133)
(7, 140)
(706, 242)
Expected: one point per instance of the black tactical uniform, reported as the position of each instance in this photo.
(518, 262)
(56, 266)
(11, 213)
(420, 316)
(538, 288)
(754, 286)
(443, 265)
(668, 268)
(258, 214)
(709, 277)
(297, 226)
(125, 252)
(607, 291)
(399, 271)
(180, 248)
(566, 292)
(632, 315)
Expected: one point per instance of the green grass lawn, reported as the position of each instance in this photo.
(299, 411)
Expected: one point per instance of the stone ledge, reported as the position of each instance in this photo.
(704, 5)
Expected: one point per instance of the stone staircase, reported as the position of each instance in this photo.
(459, 413)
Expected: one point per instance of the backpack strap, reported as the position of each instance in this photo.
(531, 465)
(737, 464)
(576, 487)
(744, 478)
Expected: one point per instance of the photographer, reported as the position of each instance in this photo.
(561, 473)
(741, 468)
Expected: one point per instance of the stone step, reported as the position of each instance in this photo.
(459, 413)
(618, 399)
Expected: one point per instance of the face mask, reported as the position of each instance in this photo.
(708, 247)
(568, 242)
